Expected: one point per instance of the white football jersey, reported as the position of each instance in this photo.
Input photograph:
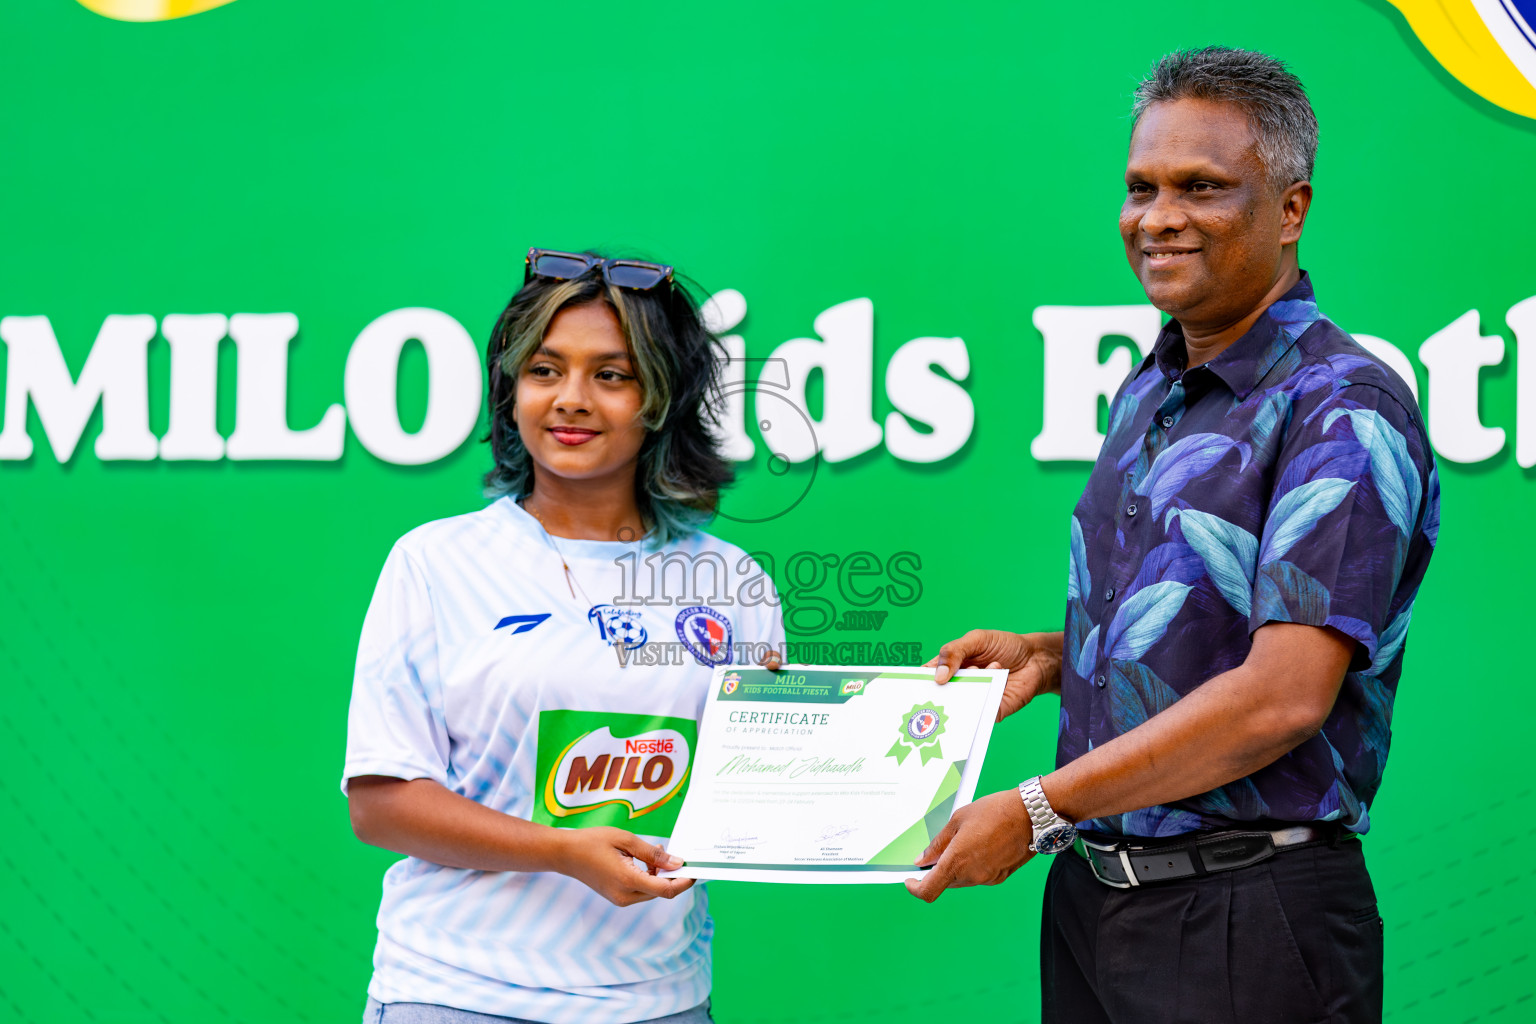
(478, 669)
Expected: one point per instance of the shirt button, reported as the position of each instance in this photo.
(1130, 509)
(1098, 680)
(1167, 422)
(1109, 595)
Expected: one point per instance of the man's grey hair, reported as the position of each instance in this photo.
(1284, 126)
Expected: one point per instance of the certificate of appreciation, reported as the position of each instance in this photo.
(830, 774)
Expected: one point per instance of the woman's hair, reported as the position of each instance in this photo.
(681, 472)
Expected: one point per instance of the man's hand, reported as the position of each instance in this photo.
(604, 860)
(1033, 662)
(982, 844)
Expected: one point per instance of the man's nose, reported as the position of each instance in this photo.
(1163, 215)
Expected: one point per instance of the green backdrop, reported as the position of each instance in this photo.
(176, 638)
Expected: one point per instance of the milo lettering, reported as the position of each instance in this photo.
(600, 768)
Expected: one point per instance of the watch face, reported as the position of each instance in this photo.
(1055, 838)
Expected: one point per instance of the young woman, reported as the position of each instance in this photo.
(530, 676)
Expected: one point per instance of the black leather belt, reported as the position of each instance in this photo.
(1130, 862)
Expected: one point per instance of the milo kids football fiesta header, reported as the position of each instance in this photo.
(933, 414)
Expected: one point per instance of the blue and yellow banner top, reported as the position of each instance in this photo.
(151, 10)
(1489, 45)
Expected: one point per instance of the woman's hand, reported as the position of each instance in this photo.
(421, 818)
(1033, 661)
(604, 860)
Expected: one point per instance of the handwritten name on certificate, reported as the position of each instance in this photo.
(828, 774)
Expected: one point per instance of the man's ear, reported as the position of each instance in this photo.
(1295, 201)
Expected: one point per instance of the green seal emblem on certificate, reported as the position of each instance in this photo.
(921, 728)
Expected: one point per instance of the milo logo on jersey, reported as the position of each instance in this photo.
(602, 768)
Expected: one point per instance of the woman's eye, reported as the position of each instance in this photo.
(541, 371)
(612, 375)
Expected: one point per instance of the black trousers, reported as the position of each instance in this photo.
(1294, 940)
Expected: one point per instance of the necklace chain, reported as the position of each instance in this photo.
(570, 577)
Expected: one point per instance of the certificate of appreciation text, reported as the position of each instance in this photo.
(830, 774)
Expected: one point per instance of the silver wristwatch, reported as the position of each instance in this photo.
(1053, 833)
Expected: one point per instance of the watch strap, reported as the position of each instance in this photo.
(1041, 815)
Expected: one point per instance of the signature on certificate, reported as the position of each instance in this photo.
(730, 836)
(832, 832)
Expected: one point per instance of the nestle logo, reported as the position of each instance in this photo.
(652, 746)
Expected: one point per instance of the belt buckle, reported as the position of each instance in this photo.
(1118, 851)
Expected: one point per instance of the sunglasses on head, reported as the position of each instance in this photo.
(564, 266)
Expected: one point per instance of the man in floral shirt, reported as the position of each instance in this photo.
(1243, 566)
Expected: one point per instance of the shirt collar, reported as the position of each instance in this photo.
(1244, 363)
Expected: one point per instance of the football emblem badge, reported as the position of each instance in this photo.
(706, 634)
(618, 627)
(731, 682)
(921, 728)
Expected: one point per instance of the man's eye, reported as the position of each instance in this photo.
(1140, 189)
(1201, 186)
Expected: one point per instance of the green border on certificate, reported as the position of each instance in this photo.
(831, 773)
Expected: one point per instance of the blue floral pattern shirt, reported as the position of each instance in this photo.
(1287, 480)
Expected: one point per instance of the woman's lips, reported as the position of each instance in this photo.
(572, 435)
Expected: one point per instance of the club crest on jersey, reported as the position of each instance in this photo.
(731, 681)
(619, 627)
(638, 774)
(706, 634)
